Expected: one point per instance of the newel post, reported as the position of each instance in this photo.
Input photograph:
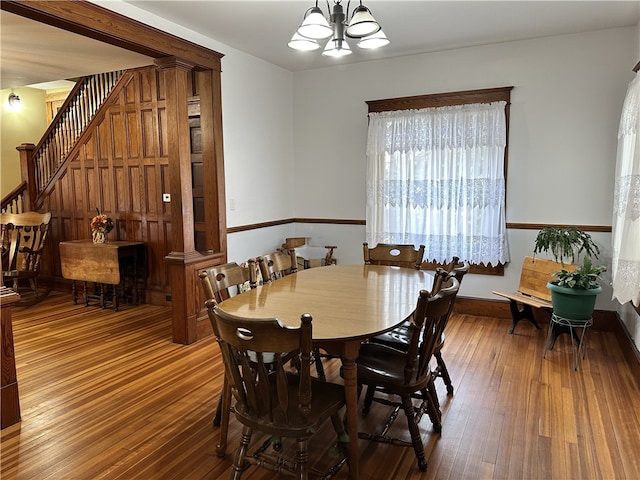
(28, 172)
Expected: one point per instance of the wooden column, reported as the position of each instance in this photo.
(178, 90)
(9, 399)
(28, 171)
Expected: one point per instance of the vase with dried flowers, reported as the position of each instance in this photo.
(101, 224)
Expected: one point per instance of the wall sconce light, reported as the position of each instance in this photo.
(15, 103)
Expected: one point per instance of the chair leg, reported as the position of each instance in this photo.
(432, 409)
(33, 283)
(431, 388)
(239, 463)
(341, 434)
(217, 416)
(303, 459)
(319, 367)
(414, 431)
(443, 372)
(224, 406)
(368, 399)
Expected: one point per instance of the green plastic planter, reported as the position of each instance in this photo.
(573, 304)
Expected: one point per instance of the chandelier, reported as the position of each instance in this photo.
(315, 26)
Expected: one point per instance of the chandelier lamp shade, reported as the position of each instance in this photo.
(316, 27)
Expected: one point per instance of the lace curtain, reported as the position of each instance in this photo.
(625, 262)
(435, 176)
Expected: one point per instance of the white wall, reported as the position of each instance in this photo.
(566, 104)
(17, 127)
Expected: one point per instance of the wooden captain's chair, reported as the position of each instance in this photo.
(399, 337)
(269, 398)
(277, 264)
(406, 374)
(398, 255)
(219, 283)
(23, 239)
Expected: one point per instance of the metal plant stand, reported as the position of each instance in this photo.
(560, 325)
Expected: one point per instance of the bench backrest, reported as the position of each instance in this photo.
(536, 272)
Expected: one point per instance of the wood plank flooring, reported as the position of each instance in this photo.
(107, 395)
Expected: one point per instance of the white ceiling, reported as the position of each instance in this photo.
(263, 28)
(32, 53)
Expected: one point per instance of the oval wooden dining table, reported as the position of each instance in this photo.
(348, 304)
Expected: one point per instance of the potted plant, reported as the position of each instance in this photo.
(573, 292)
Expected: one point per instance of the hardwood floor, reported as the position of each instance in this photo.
(106, 395)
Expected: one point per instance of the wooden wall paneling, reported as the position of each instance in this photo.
(163, 144)
(104, 135)
(120, 188)
(94, 197)
(98, 23)
(62, 185)
(132, 129)
(136, 189)
(166, 188)
(78, 190)
(49, 259)
(130, 91)
(151, 180)
(197, 174)
(107, 194)
(209, 89)
(147, 87)
(148, 133)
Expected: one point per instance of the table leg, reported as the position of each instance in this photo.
(134, 286)
(115, 297)
(349, 356)
(86, 294)
(100, 287)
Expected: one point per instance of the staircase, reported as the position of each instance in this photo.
(50, 154)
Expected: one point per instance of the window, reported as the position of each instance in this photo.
(436, 169)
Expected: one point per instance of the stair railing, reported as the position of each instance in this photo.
(74, 115)
(14, 201)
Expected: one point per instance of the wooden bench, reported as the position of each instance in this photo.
(532, 290)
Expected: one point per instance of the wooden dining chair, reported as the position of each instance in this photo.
(22, 242)
(398, 255)
(272, 400)
(399, 337)
(277, 264)
(406, 374)
(219, 283)
(459, 270)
